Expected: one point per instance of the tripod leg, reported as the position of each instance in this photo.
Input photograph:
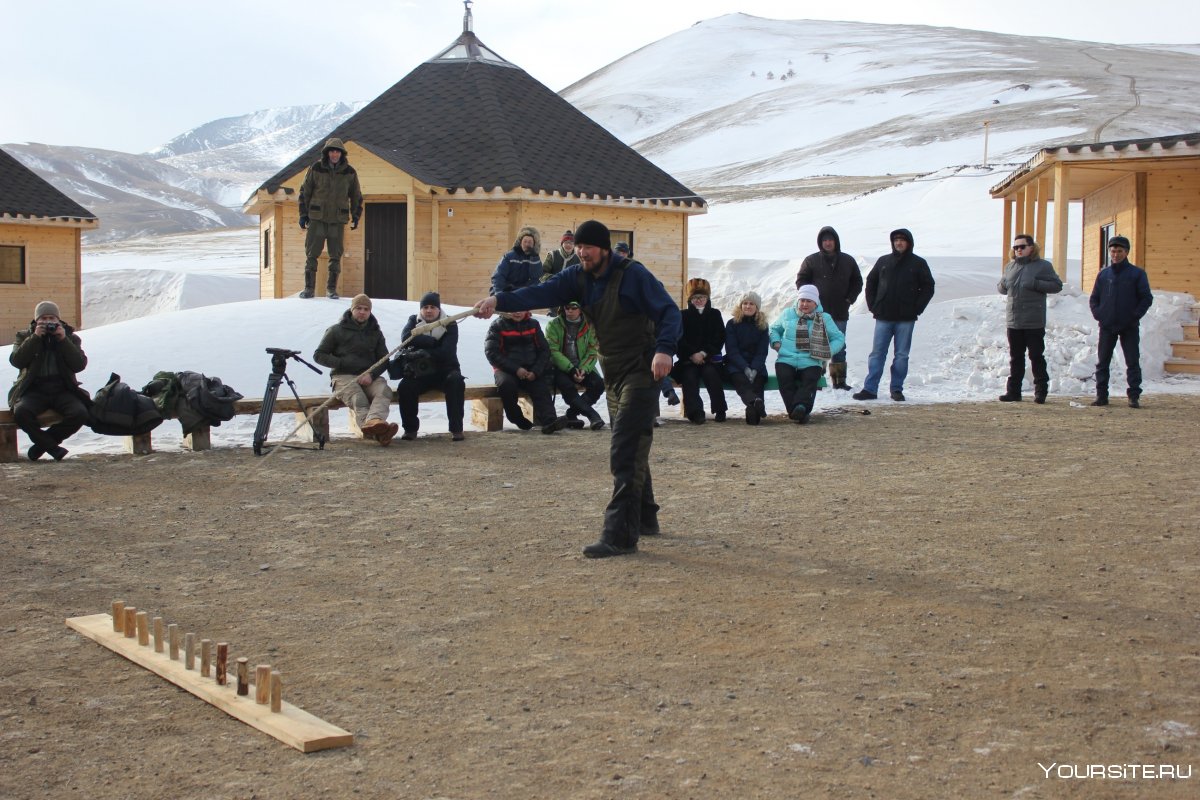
(318, 437)
(265, 413)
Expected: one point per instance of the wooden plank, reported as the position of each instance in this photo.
(290, 725)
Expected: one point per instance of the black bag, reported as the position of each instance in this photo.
(411, 362)
(117, 410)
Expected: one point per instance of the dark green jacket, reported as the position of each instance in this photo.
(30, 354)
(585, 345)
(331, 193)
(349, 348)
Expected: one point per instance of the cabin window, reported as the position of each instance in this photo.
(12, 264)
(266, 249)
(1106, 232)
(622, 236)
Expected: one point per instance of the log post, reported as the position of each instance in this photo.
(243, 676)
(205, 658)
(130, 626)
(199, 439)
(262, 684)
(222, 662)
(157, 625)
(139, 445)
(143, 628)
(276, 690)
(118, 615)
(173, 640)
(189, 651)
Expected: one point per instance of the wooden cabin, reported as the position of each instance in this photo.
(453, 160)
(1147, 190)
(40, 248)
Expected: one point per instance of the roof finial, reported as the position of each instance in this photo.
(467, 16)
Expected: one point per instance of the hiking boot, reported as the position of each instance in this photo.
(719, 416)
(58, 452)
(35, 452)
(575, 424)
(606, 550)
(1100, 401)
(409, 436)
(799, 415)
(672, 397)
(555, 425)
(1009, 397)
(1134, 403)
(897, 395)
(696, 417)
(596, 421)
(306, 294)
(1039, 398)
(863, 394)
(457, 436)
(651, 529)
(760, 411)
(373, 428)
(385, 436)
(332, 295)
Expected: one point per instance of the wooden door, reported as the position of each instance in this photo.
(386, 263)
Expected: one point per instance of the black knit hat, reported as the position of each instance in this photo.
(431, 299)
(593, 233)
(1118, 241)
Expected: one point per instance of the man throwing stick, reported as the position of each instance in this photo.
(637, 325)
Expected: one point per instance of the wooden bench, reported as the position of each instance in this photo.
(487, 412)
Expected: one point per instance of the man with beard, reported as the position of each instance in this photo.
(350, 349)
(637, 326)
(899, 287)
(839, 282)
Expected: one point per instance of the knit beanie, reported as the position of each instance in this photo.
(567, 237)
(431, 299)
(361, 300)
(593, 233)
(46, 307)
(753, 298)
(810, 292)
(698, 286)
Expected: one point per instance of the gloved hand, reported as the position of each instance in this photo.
(354, 225)
(303, 221)
(751, 373)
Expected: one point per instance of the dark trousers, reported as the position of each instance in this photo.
(632, 507)
(328, 236)
(690, 376)
(798, 387)
(33, 402)
(579, 403)
(408, 394)
(1130, 338)
(1033, 340)
(538, 390)
(747, 390)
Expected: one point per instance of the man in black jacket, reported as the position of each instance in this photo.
(899, 287)
(48, 355)
(838, 279)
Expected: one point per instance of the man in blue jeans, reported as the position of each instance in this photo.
(898, 289)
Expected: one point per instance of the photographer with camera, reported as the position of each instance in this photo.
(48, 355)
(350, 348)
(430, 361)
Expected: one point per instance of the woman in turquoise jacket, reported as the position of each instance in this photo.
(805, 338)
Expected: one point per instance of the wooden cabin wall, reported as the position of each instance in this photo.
(1117, 203)
(52, 272)
(1172, 229)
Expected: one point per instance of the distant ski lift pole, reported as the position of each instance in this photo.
(986, 126)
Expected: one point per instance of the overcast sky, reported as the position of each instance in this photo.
(132, 74)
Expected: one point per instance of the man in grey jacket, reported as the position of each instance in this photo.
(1028, 278)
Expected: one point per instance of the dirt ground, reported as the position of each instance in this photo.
(929, 601)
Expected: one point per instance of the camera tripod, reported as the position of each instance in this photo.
(279, 359)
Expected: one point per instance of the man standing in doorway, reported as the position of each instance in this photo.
(839, 282)
(329, 198)
(899, 287)
(1120, 298)
(1028, 278)
(637, 326)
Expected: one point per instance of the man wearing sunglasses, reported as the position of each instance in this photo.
(1028, 278)
(1120, 298)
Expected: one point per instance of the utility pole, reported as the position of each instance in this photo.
(986, 127)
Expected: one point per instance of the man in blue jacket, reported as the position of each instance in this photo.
(637, 326)
(1120, 298)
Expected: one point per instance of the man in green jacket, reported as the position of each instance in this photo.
(350, 349)
(573, 352)
(329, 198)
(48, 355)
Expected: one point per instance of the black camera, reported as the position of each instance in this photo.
(50, 327)
(279, 351)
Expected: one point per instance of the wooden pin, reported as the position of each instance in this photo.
(143, 628)
(156, 625)
(222, 662)
(118, 614)
(262, 684)
(189, 651)
(130, 625)
(173, 641)
(205, 658)
(276, 690)
(243, 676)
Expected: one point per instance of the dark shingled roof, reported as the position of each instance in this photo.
(482, 123)
(23, 193)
